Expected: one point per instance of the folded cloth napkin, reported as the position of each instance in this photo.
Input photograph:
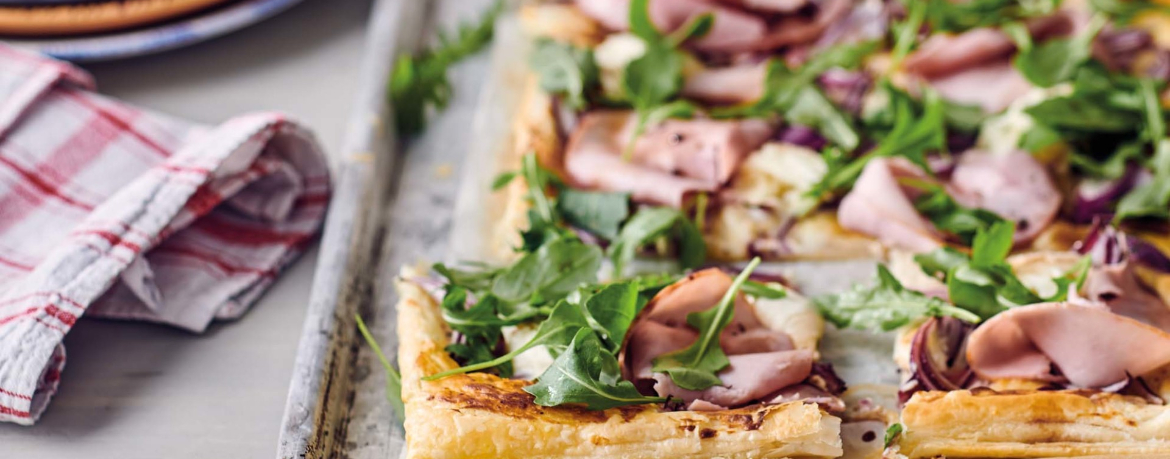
(111, 211)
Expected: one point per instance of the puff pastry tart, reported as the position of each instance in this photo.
(1082, 371)
(772, 401)
(803, 130)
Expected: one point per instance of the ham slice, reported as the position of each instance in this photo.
(740, 25)
(763, 361)
(1118, 287)
(944, 54)
(1091, 346)
(749, 378)
(727, 85)
(975, 68)
(1014, 186)
(774, 6)
(879, 206)
(992, 86)
(669, 160)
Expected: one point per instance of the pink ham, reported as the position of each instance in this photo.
(1091, 346)
(749, 378)
(763, 361)
(774, 6)
(1118, 287)
(734, 29)
(992, 86)
(879, 206)
(668, 160)
(728, 85)
(944, 54)
(1014, 186)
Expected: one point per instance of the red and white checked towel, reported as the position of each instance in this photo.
(111, 211)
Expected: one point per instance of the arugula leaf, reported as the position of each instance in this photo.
(648, 225)
(1125, 11)
(1057, 60)
(885, 306)
(614, 308)
(393, 378)
(949, 16)
(503, 180)
(695, 367)
(892, 433)
(794, 95)
(565, 69)
(993, 245)
(813, 109)
(1151, 200)
(912, 135)
(640, 23)
(984, 283)
(597, 212)
(558, 329)
(907, 31)
(656, 77)
(552, 271)
(948, 215)
(476, 276)
(770, 290)
(419, 82)
(586, 373)
(939, 262)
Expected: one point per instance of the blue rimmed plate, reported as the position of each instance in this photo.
(160, 37)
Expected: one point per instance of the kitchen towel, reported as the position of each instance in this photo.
(109, 210)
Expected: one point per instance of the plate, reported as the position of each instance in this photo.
(160, 37)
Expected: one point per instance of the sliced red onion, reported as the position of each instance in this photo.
(846, 88)
(1104, 244)
(565, 117)
(950, 335)
(588, 237)
(941, 165)
(824, 377)
(1160, 68)
(1119, 48)
(1136, 387)
(866, 21)
(802, 135)
(1108, 246)
(1148, 255)
(775, 246)
(1096, 197)
(958, 142)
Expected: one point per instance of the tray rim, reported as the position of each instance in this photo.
(321, 387)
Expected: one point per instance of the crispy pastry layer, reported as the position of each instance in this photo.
(986, 423)
(483, 416)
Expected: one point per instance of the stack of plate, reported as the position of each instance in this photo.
(106, 29)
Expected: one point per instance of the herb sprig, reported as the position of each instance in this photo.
(419, 82)
(654, 79)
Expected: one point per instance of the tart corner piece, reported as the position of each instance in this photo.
(986, 423)
(479, 415)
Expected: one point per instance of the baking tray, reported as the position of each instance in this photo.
(392, 205)
(431, 201)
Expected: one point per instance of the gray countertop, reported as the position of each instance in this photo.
(134, 390)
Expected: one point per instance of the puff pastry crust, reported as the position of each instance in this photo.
(483, 416)
(1024, 424)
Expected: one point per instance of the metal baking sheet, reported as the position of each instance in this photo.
(430, 201)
